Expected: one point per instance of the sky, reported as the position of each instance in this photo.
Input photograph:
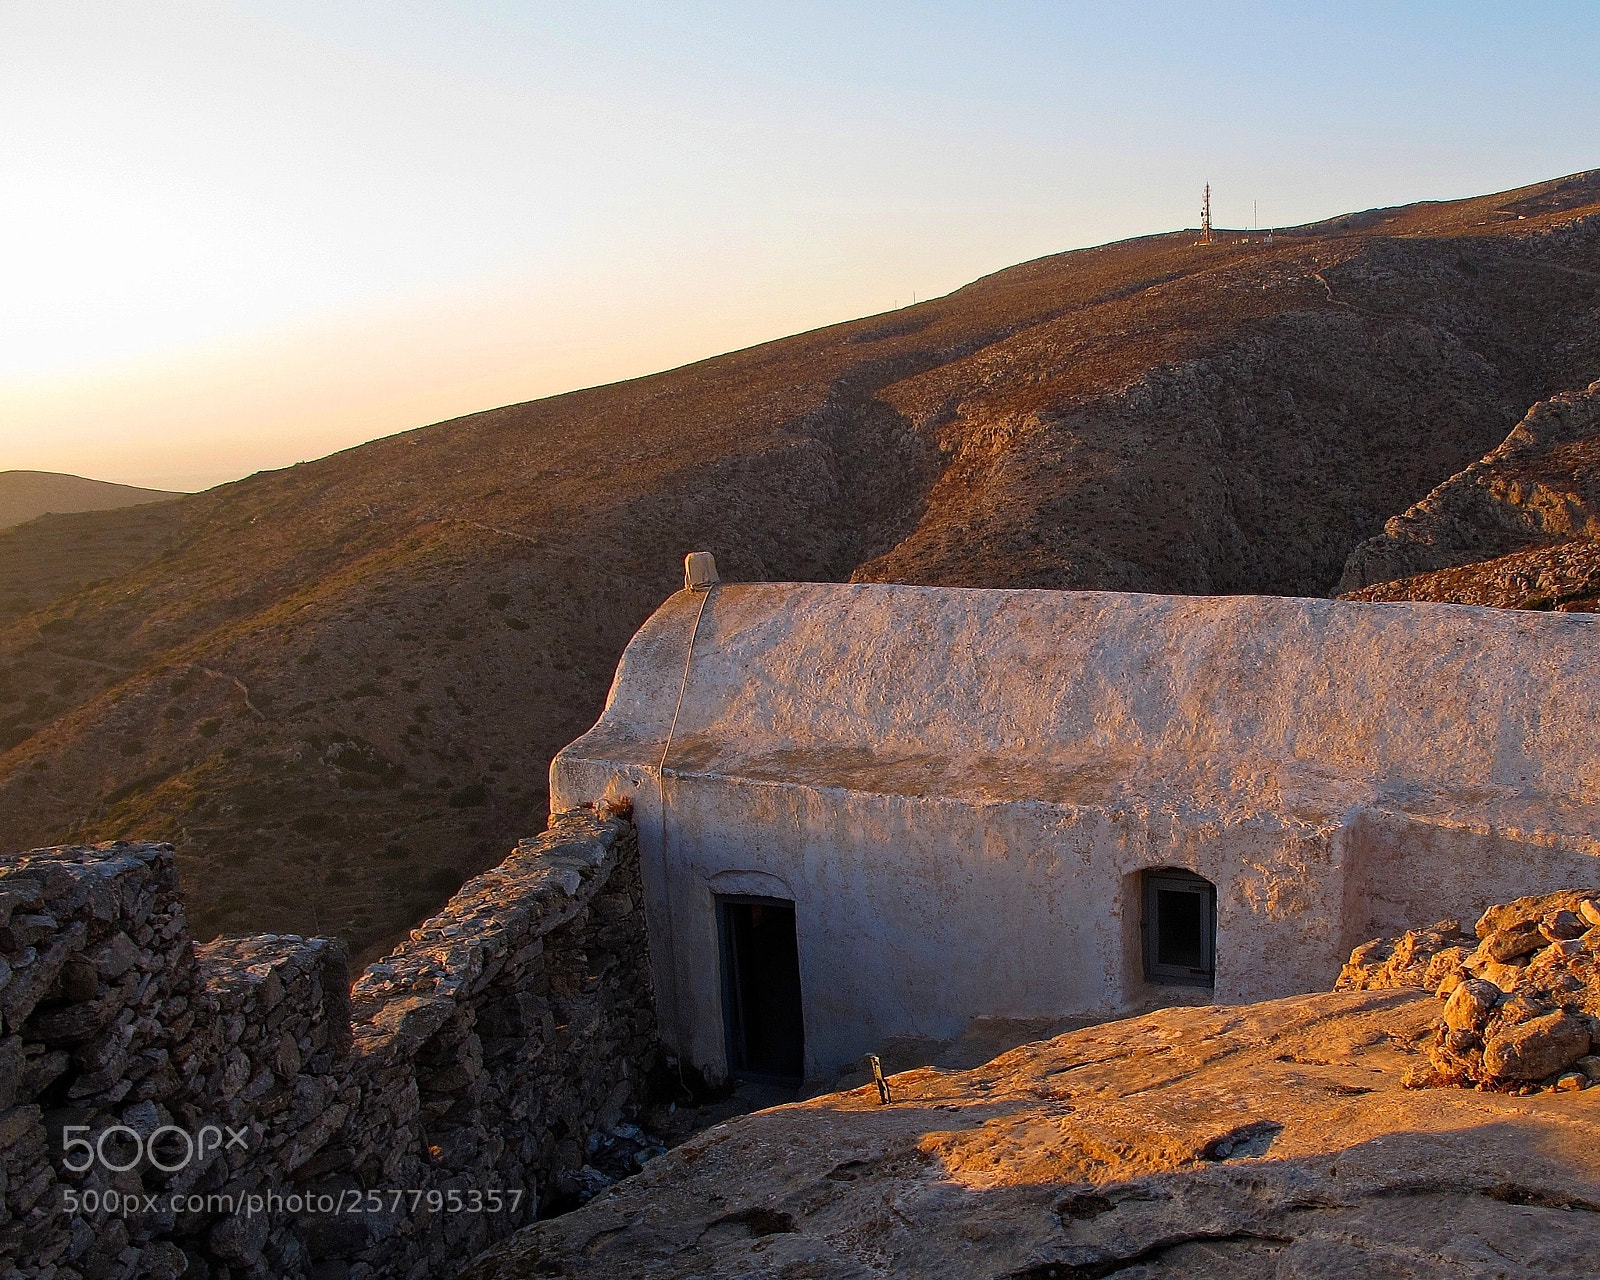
(238, 235)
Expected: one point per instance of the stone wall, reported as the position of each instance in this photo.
(289, 1124)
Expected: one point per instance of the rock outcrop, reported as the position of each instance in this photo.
(1274, 1140)
(1564, 577)
(1538, 488)
(1293, 1138)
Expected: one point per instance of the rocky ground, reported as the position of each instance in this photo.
(1275, 1140)
(1564, 577)
(1431, 1118)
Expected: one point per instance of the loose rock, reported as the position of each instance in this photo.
(1521, 1010)
(1471, 1004)
(1557, 926)
(1536, 1048)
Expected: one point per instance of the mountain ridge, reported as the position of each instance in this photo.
(1537, 489)
(26, 495)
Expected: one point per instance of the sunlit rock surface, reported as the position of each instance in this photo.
(1268, 1141)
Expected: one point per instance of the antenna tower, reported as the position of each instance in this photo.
(1205, 218)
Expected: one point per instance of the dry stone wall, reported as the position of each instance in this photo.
(238, 1109)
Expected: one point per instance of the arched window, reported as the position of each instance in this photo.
(1180, 928)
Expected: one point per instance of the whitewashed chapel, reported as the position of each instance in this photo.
(872, 811)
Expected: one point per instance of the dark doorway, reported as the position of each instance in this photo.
(1180, 928)
(761, 989)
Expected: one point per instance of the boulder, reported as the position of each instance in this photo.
(1557, 926)
(1519, 939)
(1533, 909)
(1536, 1048)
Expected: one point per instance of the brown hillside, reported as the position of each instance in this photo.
(27, 494)
(1538, 488)
(49, 556)
(1564, 577)
(337, 686)
(1517, 529)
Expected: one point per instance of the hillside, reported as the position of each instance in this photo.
(27, 494)
(1564, 577)
(337, 686)
(51, 555)
(1517, 529)
(60, 532)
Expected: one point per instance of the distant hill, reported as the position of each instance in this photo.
(338, 686)
(25, 495)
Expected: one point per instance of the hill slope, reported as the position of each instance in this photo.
(27, 494)
(1518, 528)
(1539, 487)
(337, 686)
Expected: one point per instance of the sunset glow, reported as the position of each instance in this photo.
(239, 235)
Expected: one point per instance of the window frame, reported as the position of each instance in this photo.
(1173, 879)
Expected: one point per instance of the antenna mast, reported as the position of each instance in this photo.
(1205, 218)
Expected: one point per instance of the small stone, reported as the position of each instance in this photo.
(143, 1118)
(70, 1024)
(1571, 1080)
(1505, 976)
(1470, 1004)
(1589, 909)
(239, 1239)
(1589, 1064)
(16, 1123)
(1444, 971)
(162, 1260)
(1557, 926)
(79, 981)
(115, 957)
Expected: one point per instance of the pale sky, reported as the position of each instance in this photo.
(237, 235)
